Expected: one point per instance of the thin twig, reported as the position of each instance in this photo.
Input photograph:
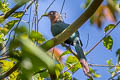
(5, 57)
(30, 19)
(69, 68)
(62, 6)
(93, 65)
(102, 38)
(22, 17)
(46, 10)
(111, 78)
(40, 71)
(49, 6)
(87, 41)
(98, 65)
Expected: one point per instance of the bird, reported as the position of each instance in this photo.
(57, 26)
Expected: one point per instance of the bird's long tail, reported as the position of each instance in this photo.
(81, 56)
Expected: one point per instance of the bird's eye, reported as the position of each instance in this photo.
(51, 13)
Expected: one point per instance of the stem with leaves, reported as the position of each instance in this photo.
(102, 39)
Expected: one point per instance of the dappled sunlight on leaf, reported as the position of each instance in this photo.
(2, 19)
(4, 6)
(37, 36)
(18, 14)
(72, 60)
(10, 24)
(109, 27)
(93, 72)
(108, 42)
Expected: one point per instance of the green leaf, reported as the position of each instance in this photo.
(2, 19)
(44, 74)
(117, 68)
(87, 3)
(72, 60)
(2, 37)
(118, 55)
(67, 76)
(34, 57)
(86, 53)
(57, 73)
(10, 24)
(91, 70)
(59, 68)
(96, 75)
(65, 53)
(109, 62)
(36, 77)
(18, 14)
(118, 52)
(4, 6)
(108, 42)
(110, 26)
(5, 65)
(37, 36)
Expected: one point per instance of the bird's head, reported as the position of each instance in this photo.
(54, 16)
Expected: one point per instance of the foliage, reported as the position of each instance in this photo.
(36, 63)
(4, 6)
(17, 14)
(37, 36)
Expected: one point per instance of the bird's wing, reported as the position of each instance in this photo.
(58, 27)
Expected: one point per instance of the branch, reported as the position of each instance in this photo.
(17, 6)
(93, 65)
(102, 39)
(73, 27)
(72, 66)
(62, 6)
(98, 65)
(47, 9)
